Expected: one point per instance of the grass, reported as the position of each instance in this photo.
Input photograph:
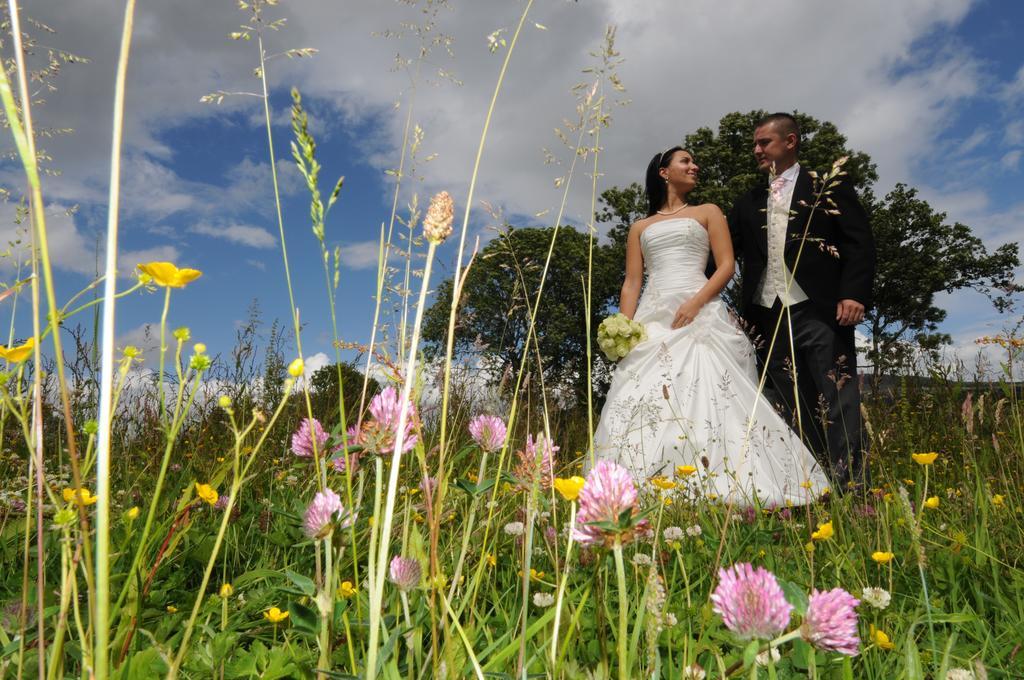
(197, 534)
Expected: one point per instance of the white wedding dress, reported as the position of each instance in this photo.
(689, 396)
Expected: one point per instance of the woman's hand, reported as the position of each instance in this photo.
(687, 312)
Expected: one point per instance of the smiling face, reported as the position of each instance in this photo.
(774, 146)
(681, 171)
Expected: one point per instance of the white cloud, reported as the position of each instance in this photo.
(360, 255)
(1014, 89)
(889, 106)
(311, 365)
(70, 250)
(1011, 160)
(1014, 133)
(244, 234)
(976, 139)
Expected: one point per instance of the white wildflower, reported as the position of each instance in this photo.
(672, 534)
(642, 560)
(694, 531)
(762, 658)
(515, 528)
(694, 672)
(879, 598)
(543, 599)
(959, 674)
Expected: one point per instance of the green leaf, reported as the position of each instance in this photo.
(913, 658)
(303, 618)
(144, 665)
(795, 595)
(303, 583)
(801, 652)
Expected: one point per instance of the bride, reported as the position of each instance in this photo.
(688, 394)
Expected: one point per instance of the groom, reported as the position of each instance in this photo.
(820, 292)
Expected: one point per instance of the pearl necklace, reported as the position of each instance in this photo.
(662, 212)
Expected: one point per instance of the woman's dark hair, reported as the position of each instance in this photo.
(657, 192)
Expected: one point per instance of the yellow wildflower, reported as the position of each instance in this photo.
(932, 503)
(491, 560)
(880, 638)
(924, 458)
(346, 590)
(207, 493)
(226, 590)
(824, 532)
(296, 368)
(663, 483)
(882, 557)
(275, 615)
(16, 355)
(685, 470)
(133, 512)
(81, 497)
(569, 488)
(998, 501)
(171, 609)
(168, 275)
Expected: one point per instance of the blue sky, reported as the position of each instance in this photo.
(932, 90)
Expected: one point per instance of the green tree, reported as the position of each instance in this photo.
(499, 291)
(324, 392)
(919, 255)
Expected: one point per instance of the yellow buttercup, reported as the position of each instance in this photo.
(16, 355)
(168, 275)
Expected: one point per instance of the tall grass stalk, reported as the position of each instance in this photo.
(24, 138)
(378, 573)
(459, 271)
(101, 621)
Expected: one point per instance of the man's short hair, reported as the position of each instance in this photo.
(784, 122)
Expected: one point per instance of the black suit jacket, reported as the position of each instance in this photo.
(838, 257)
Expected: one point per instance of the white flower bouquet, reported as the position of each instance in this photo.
(618, 334)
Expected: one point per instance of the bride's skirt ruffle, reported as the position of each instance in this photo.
(689, 396)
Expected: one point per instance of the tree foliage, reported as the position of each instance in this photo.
(920, 254)
(325, 392)
(499, 291)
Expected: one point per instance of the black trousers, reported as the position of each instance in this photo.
(827, 389)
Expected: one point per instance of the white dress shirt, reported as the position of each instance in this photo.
(775, 283)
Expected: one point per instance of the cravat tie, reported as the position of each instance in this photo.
(776, 187)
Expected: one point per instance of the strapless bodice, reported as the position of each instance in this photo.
(675, 253)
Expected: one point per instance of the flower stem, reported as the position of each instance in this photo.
(561, 588)
(620, 573)
(102, 610)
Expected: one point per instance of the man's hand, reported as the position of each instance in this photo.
(849, 312)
